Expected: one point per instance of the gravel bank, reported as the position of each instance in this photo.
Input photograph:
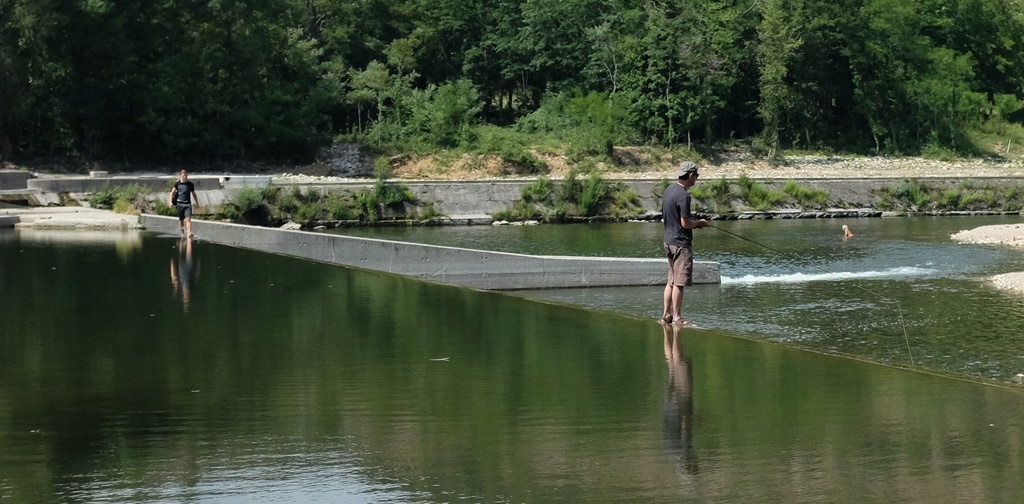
(1003, 234)
(800, 167)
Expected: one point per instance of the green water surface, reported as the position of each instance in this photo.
(282, 380)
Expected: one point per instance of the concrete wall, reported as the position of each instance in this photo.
(472, 268)
(478, 198)
(158, 184)
(13, 179)
(474, 200)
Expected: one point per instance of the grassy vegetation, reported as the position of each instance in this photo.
(573, 198)
(806, 197)
(126, 199)
(914, 196)
(718, 196)
(997, 137)
(757, 195)
(714, 196)
(271, 205)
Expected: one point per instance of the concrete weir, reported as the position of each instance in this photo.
(448, 265)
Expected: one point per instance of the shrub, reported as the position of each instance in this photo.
(574, 197)
(251, 204)
(911, 194)
(367, 205)
(122, 206)
(757, 195)
(933, 150)
(511, 148)
(949, 199)
(977, 200)
(806, 197)
(270, 193)
(102, 199)
(571, 188)
(339, 207)
(249, 199)
(594, 190)
(443, 115)
(520, 211)
(120, 199)
(429, 211)
(538, 192)
(161, 208)
(309, 211)
(392, 195)
(624, 201)
(717, 191)
(523, 159)
(290, 202)
(1013, 198)
(381, 168)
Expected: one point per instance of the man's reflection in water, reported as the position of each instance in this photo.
(679, 402)
(182, 272)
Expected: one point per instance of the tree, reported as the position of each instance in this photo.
(774, 54)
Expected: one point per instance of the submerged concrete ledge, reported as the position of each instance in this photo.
(479, 269)
(66, 218)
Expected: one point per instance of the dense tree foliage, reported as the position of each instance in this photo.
(222, 80)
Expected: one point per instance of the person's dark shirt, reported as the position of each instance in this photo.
(675, 205)
(184, 191)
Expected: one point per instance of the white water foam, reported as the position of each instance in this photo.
(905, 271)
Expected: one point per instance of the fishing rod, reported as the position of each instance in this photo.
(795, 258)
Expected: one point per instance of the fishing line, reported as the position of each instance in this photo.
(798, 259)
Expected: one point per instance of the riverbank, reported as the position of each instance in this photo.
(638, 164)
(1005, 234)
(849, 180)
(629, 162)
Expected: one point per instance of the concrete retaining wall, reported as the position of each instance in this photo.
(13, 179)
(158, 184)
(474, 200)
(481, 198)
(471, 268)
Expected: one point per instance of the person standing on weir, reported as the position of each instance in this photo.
(679, 226)
(182, 196)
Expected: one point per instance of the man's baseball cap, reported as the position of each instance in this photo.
(685, 168)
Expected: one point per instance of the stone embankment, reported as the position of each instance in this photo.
(853, 186)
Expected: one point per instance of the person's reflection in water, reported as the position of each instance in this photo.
(679, 402)
(182, 272)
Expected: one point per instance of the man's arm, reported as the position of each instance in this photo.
(174, 194)
(689, 223)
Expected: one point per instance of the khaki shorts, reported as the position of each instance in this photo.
(680, 265)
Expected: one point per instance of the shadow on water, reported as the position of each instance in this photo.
(300, 382)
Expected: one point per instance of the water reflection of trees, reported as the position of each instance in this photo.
(556, 403)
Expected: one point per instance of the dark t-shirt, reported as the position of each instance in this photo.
(184, 190)
(675, 205)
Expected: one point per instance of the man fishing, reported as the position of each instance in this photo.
(679, 226)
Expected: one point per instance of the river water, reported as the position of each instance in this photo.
(899, 291)
(134, 368)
